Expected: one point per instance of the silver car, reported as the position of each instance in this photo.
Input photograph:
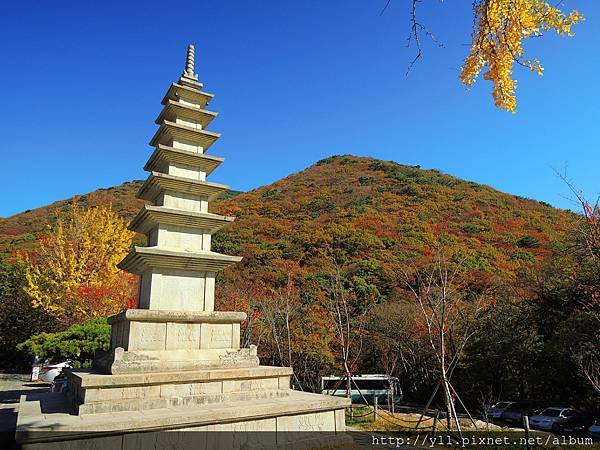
(550, 417)
(496, 410)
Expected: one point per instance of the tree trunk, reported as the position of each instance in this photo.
(447, 401)
(348, 381)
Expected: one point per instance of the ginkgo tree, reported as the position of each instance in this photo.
(500, 29)
(72, 274)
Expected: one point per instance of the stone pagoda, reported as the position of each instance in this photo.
(175, 364)
(176, 327)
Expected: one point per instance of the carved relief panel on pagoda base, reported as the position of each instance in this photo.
(142, 330)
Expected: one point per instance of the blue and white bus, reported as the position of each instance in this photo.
(364, 388)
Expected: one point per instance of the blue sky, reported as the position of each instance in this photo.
(294, 82)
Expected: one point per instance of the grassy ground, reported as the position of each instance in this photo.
(433, 434)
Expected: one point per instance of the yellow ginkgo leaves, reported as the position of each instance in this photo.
(73, 274)
(500, 28)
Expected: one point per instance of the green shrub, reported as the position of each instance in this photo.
(523, 255)
(320, 204)
(228, 243)
(366, 180)
(528, 241)
(78, 342)
(272, 194)
(474, 228)
(471, 228)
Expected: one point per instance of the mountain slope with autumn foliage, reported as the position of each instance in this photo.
(379, 214)
(358, 231)
(363, 208)
(21, 230)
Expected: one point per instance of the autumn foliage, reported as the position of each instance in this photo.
(72, 274)
(500, 28)
(360, 222)
(370, 215)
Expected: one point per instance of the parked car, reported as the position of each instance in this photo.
(496, 410)
(50, 371)
(594, 430)
(549, 417)
(576, 425)
(515, 412)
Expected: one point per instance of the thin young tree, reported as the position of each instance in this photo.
(447, 310)
(391, 334)
(348, 321)
(587, 249)
(588, 227)
(281, 308)
(590, 368)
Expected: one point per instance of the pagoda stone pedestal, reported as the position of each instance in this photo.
(158, 341)
(175, 375)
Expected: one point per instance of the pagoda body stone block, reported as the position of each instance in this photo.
(176, 373)
(186, 291)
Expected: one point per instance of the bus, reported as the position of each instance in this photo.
(364, 388)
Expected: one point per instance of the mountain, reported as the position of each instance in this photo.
(19, 231)
(384, 212)
(373, 213)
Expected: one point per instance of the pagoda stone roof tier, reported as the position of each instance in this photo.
(165, 155)
(142, 259)
(151, 216)
(173, 110)
(160, 182)
(160, 316)
(192, 82)
(177, 91)
(171, 130)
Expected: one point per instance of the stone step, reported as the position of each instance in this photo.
(90, 378)
(285, 420)
(92, 393)
(150, 403)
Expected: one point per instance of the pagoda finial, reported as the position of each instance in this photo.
(189, 63)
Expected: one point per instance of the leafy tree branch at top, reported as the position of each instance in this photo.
(500, 27)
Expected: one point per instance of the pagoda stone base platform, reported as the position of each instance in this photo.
(297, 420)
(144, 341)
(178, 380)
(93, 393)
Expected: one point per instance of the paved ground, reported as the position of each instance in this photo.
(11, 388)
